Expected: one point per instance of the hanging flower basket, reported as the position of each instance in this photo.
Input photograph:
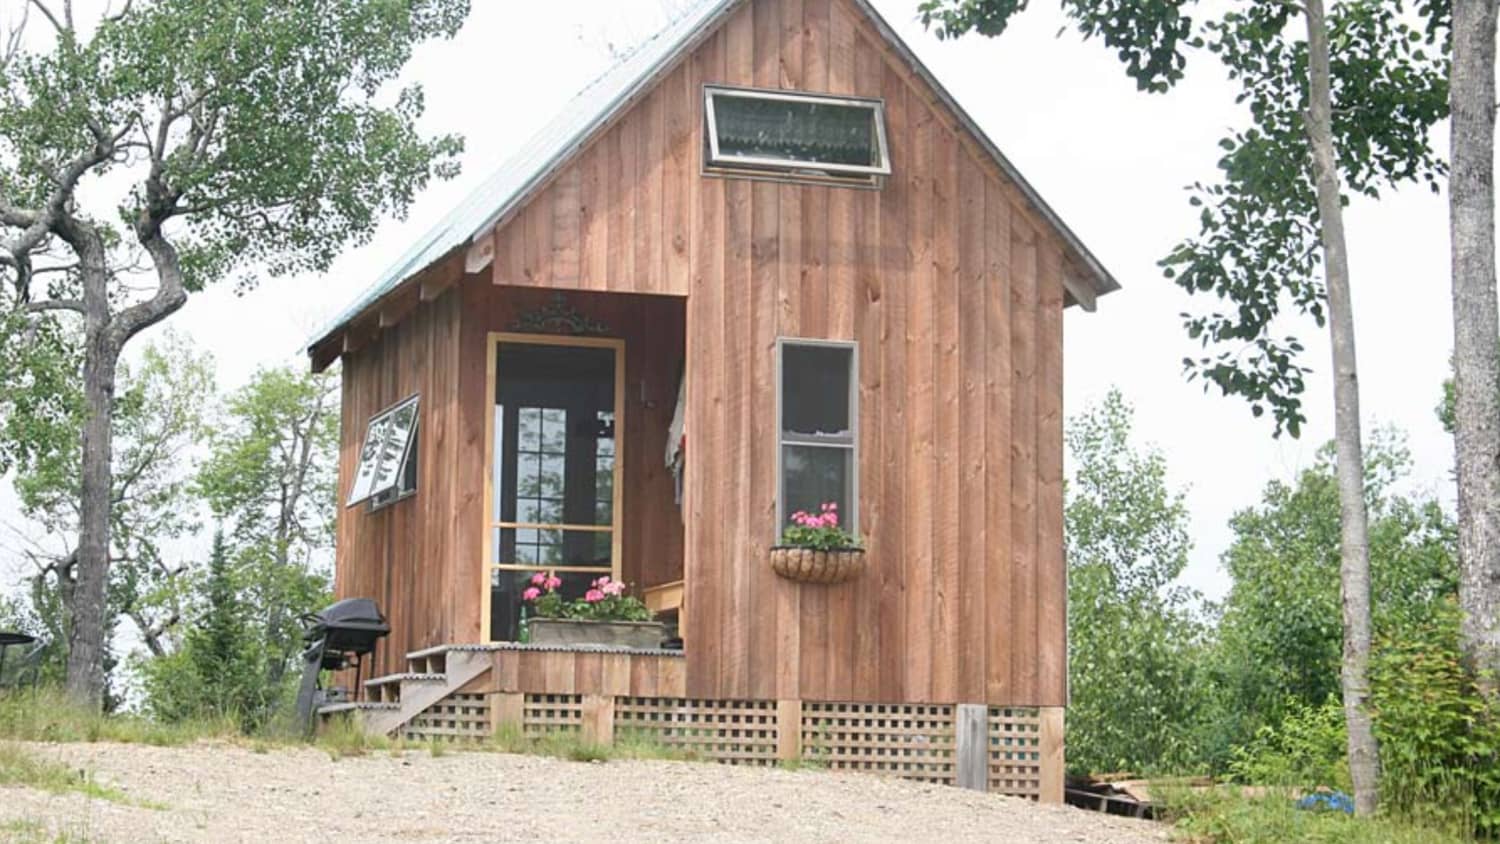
(813, 565)
(815, 549)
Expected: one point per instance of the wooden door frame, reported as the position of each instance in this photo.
(493, 340)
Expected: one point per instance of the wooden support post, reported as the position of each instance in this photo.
(973, 746)
(788, 730)
(1052, 752)
(507, 708)
(599, 719)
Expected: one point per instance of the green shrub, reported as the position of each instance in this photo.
(1439, 740)
(1224, 815)
(1307, 749)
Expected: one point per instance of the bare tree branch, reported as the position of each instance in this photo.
(53, 305)
(53, 19)
(13, 38)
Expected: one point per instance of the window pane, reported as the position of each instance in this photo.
(815, 391)
(387, 441)
(796, 130)
(534, 547)
(812, 475)
(394, 436)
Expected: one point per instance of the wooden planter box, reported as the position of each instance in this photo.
(809, 565)
(624, 634)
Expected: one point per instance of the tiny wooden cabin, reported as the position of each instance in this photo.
(774, 217)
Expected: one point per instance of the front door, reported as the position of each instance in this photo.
(555, 468)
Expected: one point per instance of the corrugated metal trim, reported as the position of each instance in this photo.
(583, 649)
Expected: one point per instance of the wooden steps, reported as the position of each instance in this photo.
(356, 706)
(433, 674)
(388, 689)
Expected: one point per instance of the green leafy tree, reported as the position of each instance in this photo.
(215, 673)
(1345, 105)
(1278, 649)
(1134, 643)
(156, 150)
(160, 420)
(270, 476)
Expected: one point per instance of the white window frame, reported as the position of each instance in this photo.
(850, 512)
(717, 159)
(377, 493)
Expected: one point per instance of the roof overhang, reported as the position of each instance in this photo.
(466, 231)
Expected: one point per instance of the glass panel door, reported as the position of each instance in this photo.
(554, 469)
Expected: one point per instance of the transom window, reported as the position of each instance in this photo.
(796, 134)
(387, 470)
(819, 419)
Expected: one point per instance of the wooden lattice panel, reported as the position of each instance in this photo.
(911, 741)
(736, 732)
(545, 713)
(1015, 738)
(454, 718)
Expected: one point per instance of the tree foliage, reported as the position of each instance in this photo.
(1257, 249)
(1134, 641)
(215, 673)
(186, 141)
(1277, 646)
(161, 416)
(270, 476)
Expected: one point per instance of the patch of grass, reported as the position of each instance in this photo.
(28, 831)
(571, 745)
(1221, 816)
(18, 766)
(803, 763)
(47, 715)
(342, 736)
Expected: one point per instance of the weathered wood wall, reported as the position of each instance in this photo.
(408, 556)
(953, 288)
(421, 559)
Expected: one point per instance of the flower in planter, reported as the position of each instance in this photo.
(605, 600)
(819, 531)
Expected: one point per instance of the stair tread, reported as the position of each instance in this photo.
(351, 706)
(405, 676)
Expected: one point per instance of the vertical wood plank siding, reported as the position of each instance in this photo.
(409, 556)
(945, 277)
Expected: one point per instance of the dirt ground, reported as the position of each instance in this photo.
(220, 792)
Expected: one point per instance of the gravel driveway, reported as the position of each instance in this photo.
(221, 792)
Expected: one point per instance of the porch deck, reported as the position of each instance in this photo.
(469, 691)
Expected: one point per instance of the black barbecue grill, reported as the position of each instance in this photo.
(335, 639)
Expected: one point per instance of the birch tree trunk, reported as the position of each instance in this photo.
(1476, 335)
(1354, 550)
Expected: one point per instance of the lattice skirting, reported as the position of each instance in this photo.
(455, 717)
(1022, 747)
(1015, 751)
(911, 741)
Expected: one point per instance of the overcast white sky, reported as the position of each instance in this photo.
(1110, 160)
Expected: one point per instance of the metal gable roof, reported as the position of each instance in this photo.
(601, 101)
(507, 187)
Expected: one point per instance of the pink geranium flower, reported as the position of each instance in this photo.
(613, 588)
(553, 583)
(538, 579)
(593, 596)
(531, 594)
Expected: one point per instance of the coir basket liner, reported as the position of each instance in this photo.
(810, 565)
